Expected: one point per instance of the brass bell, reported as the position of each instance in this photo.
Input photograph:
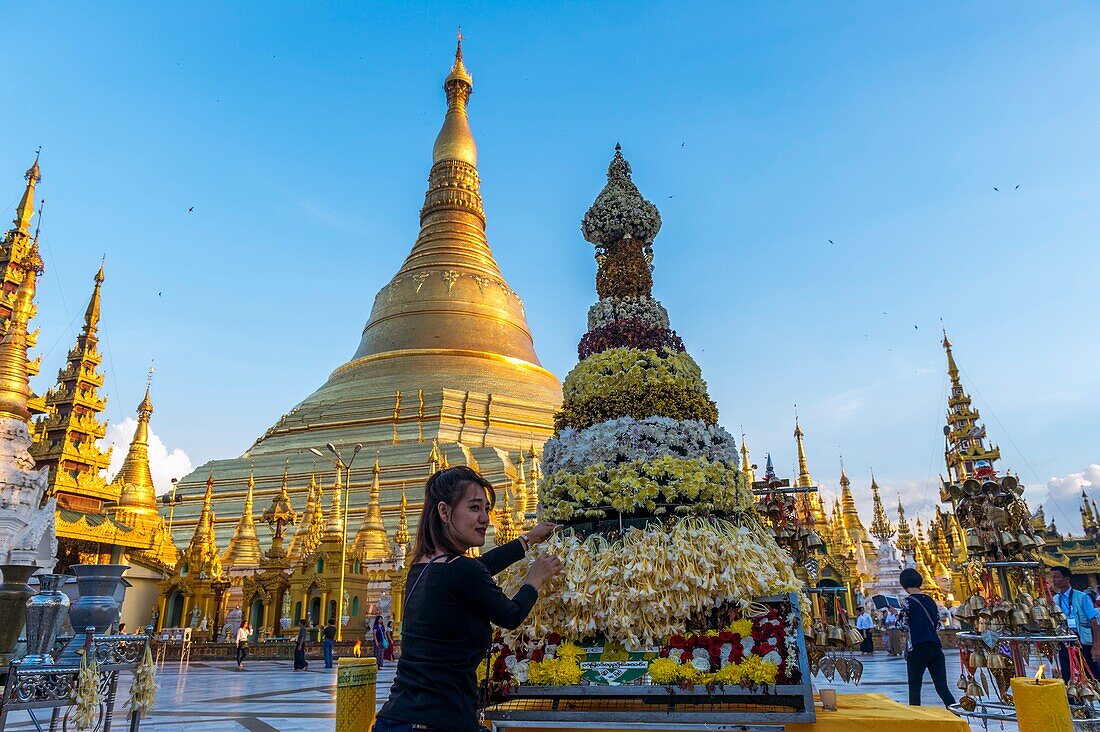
(1088, 693)
(1027, 543)
(990, 488)
(971, 487)
(1009, 542)
(973, 690)
(998, 661)
(968, 703)
(821, 638)
(854, 636)
(1018, 616)
(977, 659)
(1010, 484)
(813, 541)
(962, 682)
(836, 635)
(973, 541)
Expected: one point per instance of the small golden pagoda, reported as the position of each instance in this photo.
(243, 553)
(853, 526)
(1080, 553)
(308, 535)
(148, 542)
(446, 365)
(372, 544)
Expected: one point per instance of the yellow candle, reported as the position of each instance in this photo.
(1041, 705)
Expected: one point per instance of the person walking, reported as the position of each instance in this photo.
(328, 640)
(300, 647)
(243, 633)
(1082, 619)
(923, 647)
(865, 624)
(451, 601)
(381, 643)
(890, 633)
(387, 655)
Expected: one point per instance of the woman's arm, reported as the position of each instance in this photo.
(499, 559)
(475, 586)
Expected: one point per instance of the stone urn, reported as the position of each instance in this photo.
(13, 603)
(96, 607)
(46, 613)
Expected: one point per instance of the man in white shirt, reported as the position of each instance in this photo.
(865, 624)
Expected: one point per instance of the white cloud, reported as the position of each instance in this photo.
(1061, 497)
(163, 464)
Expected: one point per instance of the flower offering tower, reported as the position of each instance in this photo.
(666, 560)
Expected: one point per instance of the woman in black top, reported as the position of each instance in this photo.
(450, 600)
(923, 649)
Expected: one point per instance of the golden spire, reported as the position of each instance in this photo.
(280, 513)
(335, 524)
(371, 541)
(506, 528)
(536, 480)
(401, 536)
(455, 140)
(1088, 521)
(244, 547)
(15, 389)
(952, 367)
(853, 525)
(202, 553)
(25, 210)
(804, 479)
(521, 490)
(881, 528)
(746, 463)
(91, 314)
(905, 537)
(135, 478)
(300, 541)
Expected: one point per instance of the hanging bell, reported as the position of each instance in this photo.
(1026, 542)
(813, 541)
(977, 659)
(973, 541)
(973, 690)
(962, 682)
(836, 635)
(1009, 484)
(971, 487)
(1019, 616)
(968, 703)
(998, 661)
(854, 636)
(821, 638)
(1009, 542)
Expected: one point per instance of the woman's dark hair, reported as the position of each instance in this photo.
(448, 486)
(910, 578)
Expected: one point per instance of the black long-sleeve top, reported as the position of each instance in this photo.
(446, 633)
(923, 623)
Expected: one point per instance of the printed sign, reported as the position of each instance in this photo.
(614, 672)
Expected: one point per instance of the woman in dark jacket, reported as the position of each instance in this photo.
(450, 601)
(381, 643)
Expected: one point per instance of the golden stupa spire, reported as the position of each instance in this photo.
(881, 528)
(506, 527)
(334, 526)
(401, 536)
(905, 536)
(372, 544)
(853, 524)
(202, 553)
(536, 475)
(244, 547)
(455, 140)
(15, 388)
(280, 513)
(24, 212)
(521, 490)
(746, 462)
(952, 367)
(135, 477)
(804, 479)
(300, 541)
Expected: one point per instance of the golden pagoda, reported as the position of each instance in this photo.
(308, 535)
(66, 441)
(853, 526)
(965, 436)
(243, 552)
(747, 468)
(148, 543)
(18, 255)
(446, 359)
(372, 544)
(881, 528)
(905, 543)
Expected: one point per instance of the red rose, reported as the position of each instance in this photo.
(677, 641)
(553, 638)
(685, 656)
(520, 655)
(725, 637)
(538, 655)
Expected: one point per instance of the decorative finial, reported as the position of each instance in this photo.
(620, 212)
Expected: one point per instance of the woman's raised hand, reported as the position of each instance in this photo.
(541, 531)
(545, 567)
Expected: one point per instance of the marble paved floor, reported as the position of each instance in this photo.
(269, 695)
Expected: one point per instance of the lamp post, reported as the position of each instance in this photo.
(341, 465)
(171, 500)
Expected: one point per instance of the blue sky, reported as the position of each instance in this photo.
(301, 135)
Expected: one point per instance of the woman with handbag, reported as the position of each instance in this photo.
(451, 601)
(924, 650)
(381, 642)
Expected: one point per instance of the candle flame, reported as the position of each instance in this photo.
(1039, 673)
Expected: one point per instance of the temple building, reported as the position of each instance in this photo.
(445, 374)
(1080, 553)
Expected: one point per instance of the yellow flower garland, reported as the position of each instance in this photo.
(555, 672)
(630, 369)
(701, 486)
(752, 670)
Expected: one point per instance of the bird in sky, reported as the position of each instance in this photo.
(831, 241)
(996, 189)
(191, 210)
(1017, 187)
